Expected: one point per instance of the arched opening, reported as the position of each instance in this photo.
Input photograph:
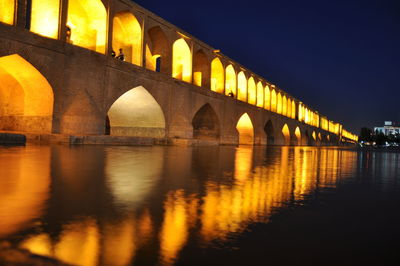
(289, 108)
(127, 37)
(45, 17)
(200, 69)
(319, 137)
(273, 101)
(260, 95)
(230, 81)
(279, 103)
(7, 11)
(181, 61)
(217, 76)
(293, 109)
(267, 98)
(314, 136)
(269, 130)
(252, 91)
(26, 97)
(157, 50)
(297, 133)
(245, 130)
(284, 105)
(286, 134)
(87, 21)
(136, 113)
(242, 87)
(206, 124)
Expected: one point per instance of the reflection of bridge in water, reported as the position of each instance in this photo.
(58, 76)
(88, 206)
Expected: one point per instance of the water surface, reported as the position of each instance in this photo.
(96, 205)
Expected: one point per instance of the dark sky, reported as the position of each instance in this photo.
(340, 57)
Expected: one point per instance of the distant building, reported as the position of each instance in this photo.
(390, 128)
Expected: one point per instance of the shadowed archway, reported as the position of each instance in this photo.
(206, 124)
(269, 130)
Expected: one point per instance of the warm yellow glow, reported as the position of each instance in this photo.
(24, 188)
(251, 90)
(230, 80)
(182, 61)
(157, 50)
(245, 130)
(217, 76)
(45, 17)
(267, 98)
(293, 109)
(127, 35)
(284, 105)
(174, 232)
(7, 10)
(297, 133)
(243, 163)
(279, 104)
(242, 87)
(289, 108)
(286, 134)
(273, 101)
(314, 136)
(26, 98)
(197, 78)
(87, 20)
(201, 69)
(137, 113)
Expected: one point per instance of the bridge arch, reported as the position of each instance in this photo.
(217, 76)
(201, 69)
(267, 98)
(273, 101)
(242, 87)
(297, 134)
(206, 124)
(230, 80)
(44, 17)
(270, 132)
(251, 91)
(245, 130)
(26, 97)
(158, 51)
(286, 134)
(181, 61)
(127, 35)
(87, 20)
(136, 113)
(279, 103)
(284, 105)
(260, 94)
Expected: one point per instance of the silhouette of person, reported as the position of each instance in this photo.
(68, 34)
(121, 55)
(231, 94)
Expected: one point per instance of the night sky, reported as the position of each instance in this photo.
(341, 58)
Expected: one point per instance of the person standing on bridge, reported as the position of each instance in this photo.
(121, 55)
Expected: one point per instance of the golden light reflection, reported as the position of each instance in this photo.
(252, 91)
(45, 17)
(7, 10)
(181, 61)
(24, 188)
(230, 81)
(242, 87)
(217, 76)
(297, 133)
(245, 130)
(286, 134)
(87, 20)
(127, 35)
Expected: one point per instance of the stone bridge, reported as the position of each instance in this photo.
(111, 67)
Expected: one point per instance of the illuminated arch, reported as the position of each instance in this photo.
(136, 113)
(45, 17)
(127, 35)
(267, 98)
(314, 136)
(289, 108)
(260, 94)
(252, 91)
(87, 20)
(284, 105)
(279, 103)
(242, 87)
(200, 69)
(157, 50)
(293, 109)
(245, 130)
(230, 80)
(217, 76)
(269, 130)
(181, 61)
(26, 97)
(206, 123)
(7, 11)
(297, 133)
(273, 101)
(286, 134)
